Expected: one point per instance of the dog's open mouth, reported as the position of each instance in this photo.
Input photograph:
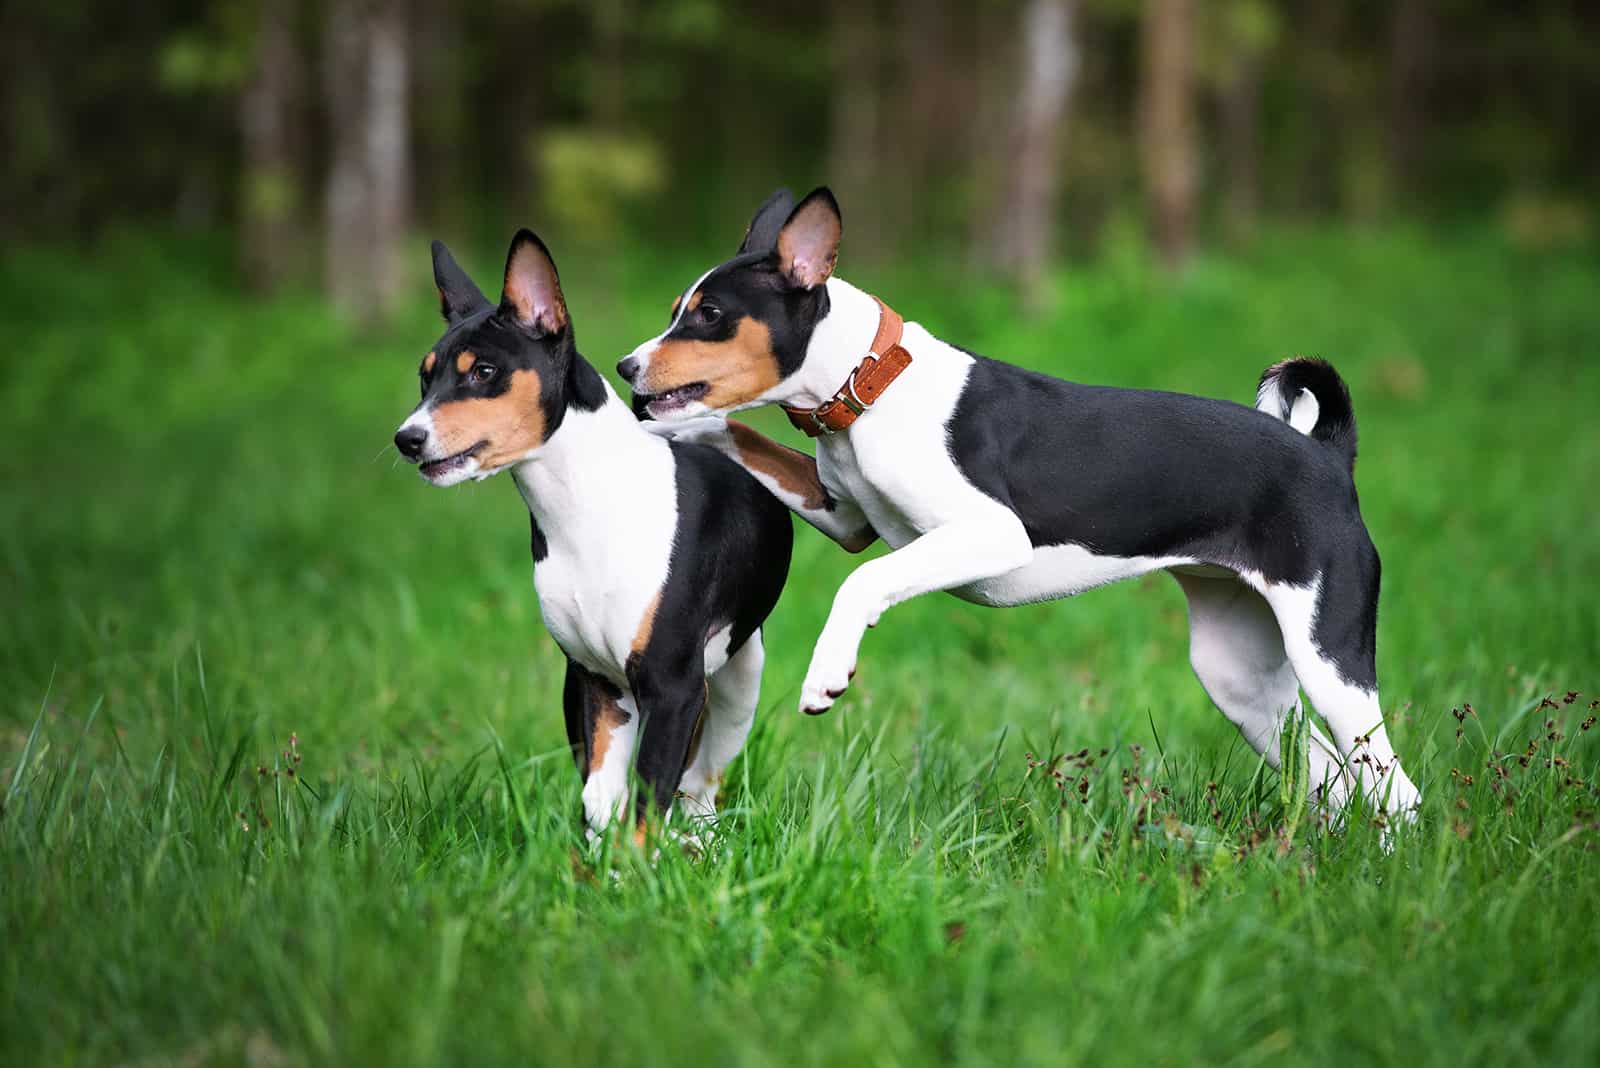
(660, 404)
(433, 470)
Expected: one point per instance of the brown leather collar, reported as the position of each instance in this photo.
(866, 383)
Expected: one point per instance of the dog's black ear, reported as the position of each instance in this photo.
(762, 233)
(808, 243)
(532, 293)
(458, 296)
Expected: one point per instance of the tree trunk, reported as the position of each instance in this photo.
(1049, 64)
(1410, 53)
(271, 189)
(441, 117)
(1241, 134)
(369, 182)
(1167, 120)
(855, 124)
(919, 121)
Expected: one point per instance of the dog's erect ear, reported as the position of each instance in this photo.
(808, 244)
(762, 234)
(458, 296)
(532, 293)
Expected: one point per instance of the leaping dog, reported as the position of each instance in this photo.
(1003, 486)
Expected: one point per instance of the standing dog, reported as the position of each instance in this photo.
(656, 562)
(1003, 486)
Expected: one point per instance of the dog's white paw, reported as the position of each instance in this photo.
(833, 665)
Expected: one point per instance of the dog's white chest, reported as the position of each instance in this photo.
(841, 473)
(608, 549)
(593, 621)
(895, 462)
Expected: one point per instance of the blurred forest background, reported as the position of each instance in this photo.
(1005, 135)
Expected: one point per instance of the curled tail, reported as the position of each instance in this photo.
(1309, 395)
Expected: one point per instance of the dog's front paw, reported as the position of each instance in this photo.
(833, 665)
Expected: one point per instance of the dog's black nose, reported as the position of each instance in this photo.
(410, 440)
(627, 366)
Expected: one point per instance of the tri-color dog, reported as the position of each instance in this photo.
(656, 562)
(1003, 486)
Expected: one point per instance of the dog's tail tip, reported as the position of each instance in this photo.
(1309, 395)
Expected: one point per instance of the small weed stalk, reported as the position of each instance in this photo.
(1294, 781)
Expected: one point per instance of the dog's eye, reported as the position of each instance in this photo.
(482, 372)
(709, 312)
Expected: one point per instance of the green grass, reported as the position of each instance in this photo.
(205, 548)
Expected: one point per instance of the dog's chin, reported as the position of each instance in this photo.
(450, 476)
(458, 467)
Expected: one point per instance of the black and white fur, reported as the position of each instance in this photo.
(656, 562)
(1003, 486)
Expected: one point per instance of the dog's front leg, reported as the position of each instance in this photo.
(945, 557)
(788, 474)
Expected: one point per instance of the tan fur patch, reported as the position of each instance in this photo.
(737, 370)
(608, 720)
(641, 637)
(510, 425)
(792, 470)
(677, 302)
(465, 361)
(428, 361)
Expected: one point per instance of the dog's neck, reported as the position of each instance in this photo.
(838, 343)
(586, 465)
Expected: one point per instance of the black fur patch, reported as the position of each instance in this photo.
(1336, 416)
(1127, 472)
(750, 286)
(536, 540)
(730, 559)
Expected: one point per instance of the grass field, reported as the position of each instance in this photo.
(282, 755)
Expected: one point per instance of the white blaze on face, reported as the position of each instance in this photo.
(645, 351)
(467, 467)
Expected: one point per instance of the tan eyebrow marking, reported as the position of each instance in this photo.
(465, 361)
(428, 361)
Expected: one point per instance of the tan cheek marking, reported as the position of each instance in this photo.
(465, 361)
(737, 370)
(793, 471)
(512, 424)
(428, 361)
(641, 637)
(610, 718)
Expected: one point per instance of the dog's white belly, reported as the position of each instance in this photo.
(1061, 571)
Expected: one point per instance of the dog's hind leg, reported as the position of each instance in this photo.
(734, 690)
(1238, 655)
(1329, 631)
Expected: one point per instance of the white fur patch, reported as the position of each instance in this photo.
(1303, 413)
